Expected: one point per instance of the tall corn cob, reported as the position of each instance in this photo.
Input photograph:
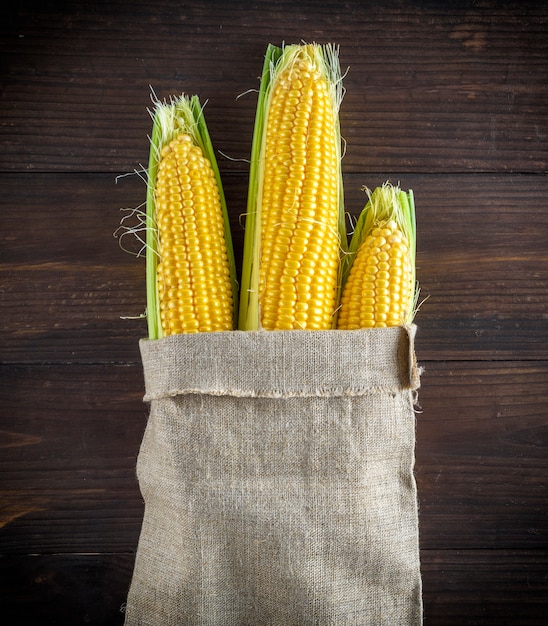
(191, 284)
(295, 221)
(379, 288)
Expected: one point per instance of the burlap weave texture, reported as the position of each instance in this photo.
(277, 474)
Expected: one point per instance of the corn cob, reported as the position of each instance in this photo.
(191, 284)
(379, 279)
(295, 220)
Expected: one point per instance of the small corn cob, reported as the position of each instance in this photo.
(190, 263)
(295, 220)
(379, 285)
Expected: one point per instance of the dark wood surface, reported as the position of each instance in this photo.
(448, 98)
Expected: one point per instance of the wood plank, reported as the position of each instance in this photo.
(480, 587)
(67, 285)
(70, 436)
(460, 588)
(472, 99)
(448, 98)
(65, 589)
(481, 462)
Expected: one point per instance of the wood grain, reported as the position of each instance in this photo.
(70, 446)
(481, 456)
(461, 588)
(65, 588)
(70, 291)
(71, 508)
(431, 87)
(449, 99)
(475, 587)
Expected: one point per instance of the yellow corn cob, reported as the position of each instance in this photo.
(194, 290)
(380, 288)
(298, 196)
(193, 272)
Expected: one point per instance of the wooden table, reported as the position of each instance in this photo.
(447, 98)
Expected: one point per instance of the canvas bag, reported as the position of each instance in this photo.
(277, 474)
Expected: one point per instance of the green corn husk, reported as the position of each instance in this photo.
(181, 114)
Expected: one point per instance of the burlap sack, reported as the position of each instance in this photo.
(277, 474)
